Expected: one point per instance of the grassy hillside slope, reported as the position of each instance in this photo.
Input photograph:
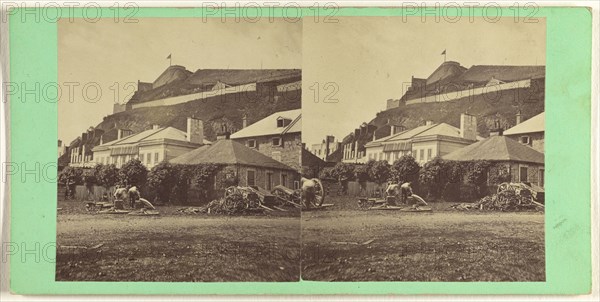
(488, 109)
(215, 111)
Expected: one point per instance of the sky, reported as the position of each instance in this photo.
(358, 63)
(364, 61)
(108, 57)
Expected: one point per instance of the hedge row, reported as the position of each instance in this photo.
(437, 179)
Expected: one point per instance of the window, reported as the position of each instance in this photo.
(284, 180)
(156, 157)
(251, 143)
(296, 185)
(428, 154)
(525, 140)
(422, 154)
(148, 158)
(142, 158)
(523, 173)
(276, 141)
(251, 178)
(541, 178)
(282, 122)
(269, 183)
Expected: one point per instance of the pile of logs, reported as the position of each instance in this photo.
(243, 200)
(507, 200)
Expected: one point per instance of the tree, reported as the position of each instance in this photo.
(161, 180)
(70, 175)
(379, 171)
(326, 173)
(106, 175)
(133, 173)
(405, 169)
(361, 173)
(343, 172)
(433, 177)
(182, 175)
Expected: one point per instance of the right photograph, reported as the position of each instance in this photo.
(423, 150)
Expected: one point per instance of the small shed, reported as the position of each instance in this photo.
(524, 163)
(251, 167)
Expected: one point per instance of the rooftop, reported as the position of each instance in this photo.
(421, 131)
(150, 135)
(268, 125)
(534, 124)
(497, 148)
(229, 152)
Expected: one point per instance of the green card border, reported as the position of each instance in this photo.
(33, 128)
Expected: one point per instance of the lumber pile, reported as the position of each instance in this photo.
(504, 201)
(241, 200)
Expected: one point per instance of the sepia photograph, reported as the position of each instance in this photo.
(180, 157)
(427, 141)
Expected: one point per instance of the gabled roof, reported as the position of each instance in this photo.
(149, 135)
(534, 124)
(229, 152)
(421, 131)
(268, 125)
(497, 148)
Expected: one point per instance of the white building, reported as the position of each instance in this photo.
(152, 146)
(424, 142)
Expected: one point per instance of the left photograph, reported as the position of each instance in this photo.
(179, 150)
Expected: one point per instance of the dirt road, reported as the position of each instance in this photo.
(351, 245)
(177, 248)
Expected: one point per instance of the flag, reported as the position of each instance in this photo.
(443, 52)
(169, 56)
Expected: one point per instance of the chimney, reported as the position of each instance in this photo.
(121, 133)
(155, 127)
(101, 139)
(245, 121)
(428, 122)
(468, 126)
(518, 117)
(195, 131)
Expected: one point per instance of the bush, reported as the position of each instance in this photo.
(432, 177)
(161, 181)
(326, 173)
(343, 172)
(182, 179)
(499, 173)
(106, 175)
(74, 176)
(405, 169)
(379, 171)
(133, 173)
(361, 173)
